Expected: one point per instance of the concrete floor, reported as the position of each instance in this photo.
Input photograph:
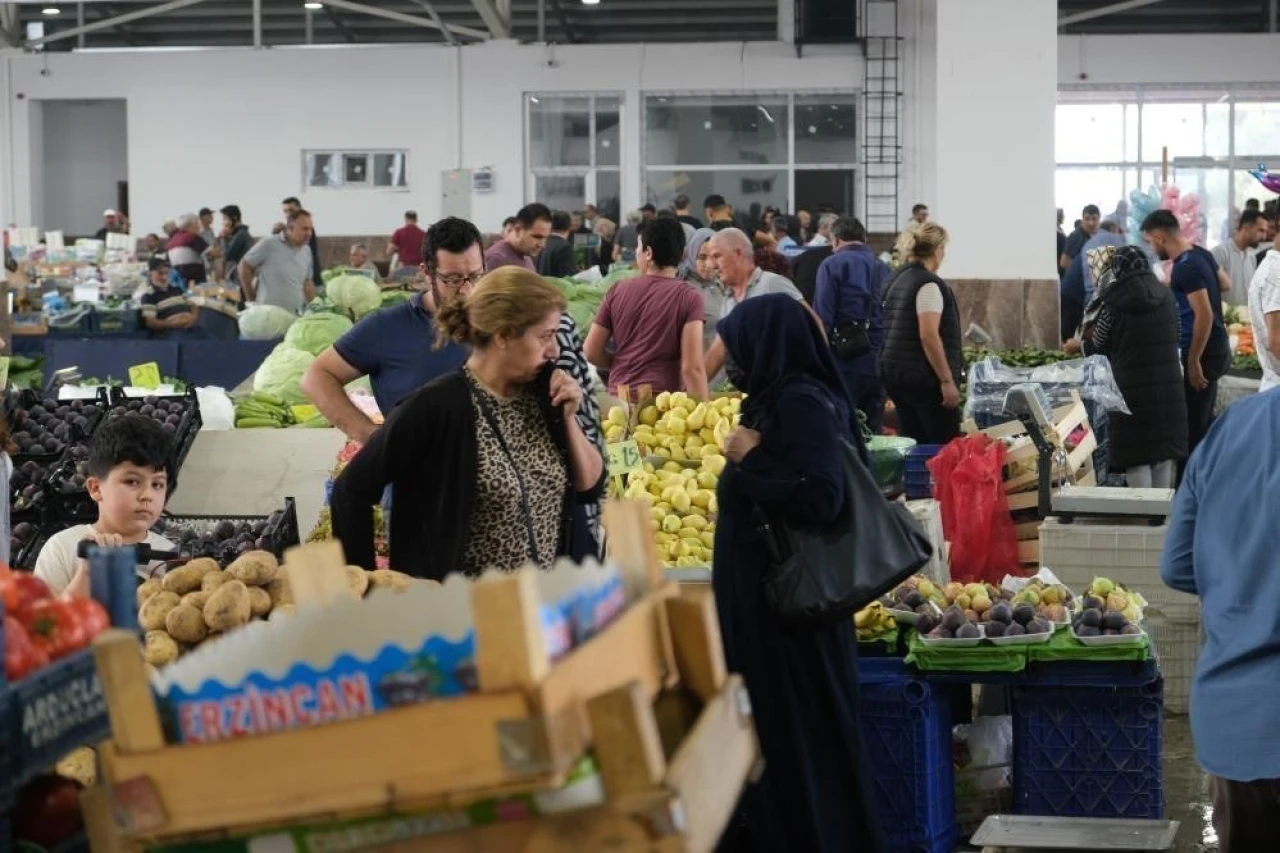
(1186, 790)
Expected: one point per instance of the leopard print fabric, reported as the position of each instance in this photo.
(498, 537)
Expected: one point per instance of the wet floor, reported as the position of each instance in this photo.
(1186, 790)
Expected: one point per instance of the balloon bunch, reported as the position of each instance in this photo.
(1186, 208)
(1270, 180)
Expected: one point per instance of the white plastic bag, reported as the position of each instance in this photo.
(990, 741)
(216, 409)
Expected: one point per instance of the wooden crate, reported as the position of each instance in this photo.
(1067, 419)
(530, 723)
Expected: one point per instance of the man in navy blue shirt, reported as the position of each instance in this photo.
(848, 292)
(1202, 336)
(394, 347)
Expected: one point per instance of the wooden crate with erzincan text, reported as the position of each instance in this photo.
(657, 668)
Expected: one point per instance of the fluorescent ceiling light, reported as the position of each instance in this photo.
(313, 5)
(590, 2)
(51, 11)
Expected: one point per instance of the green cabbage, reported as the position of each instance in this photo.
(265, 322)
(314, 333)
(354, 294)
(281, 373)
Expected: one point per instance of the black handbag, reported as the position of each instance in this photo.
(851, 340)
(819, 575)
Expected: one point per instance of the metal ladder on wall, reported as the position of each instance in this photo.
(882, 115)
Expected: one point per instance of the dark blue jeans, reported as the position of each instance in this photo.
(867, 393)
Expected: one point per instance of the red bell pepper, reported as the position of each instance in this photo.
(20, 590)
(21, 656)
(91, 615)
(54, 627)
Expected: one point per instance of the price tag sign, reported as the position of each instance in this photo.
(623, 457)
(145, 375)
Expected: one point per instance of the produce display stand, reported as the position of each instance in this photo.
(61, 706)
(672, 779)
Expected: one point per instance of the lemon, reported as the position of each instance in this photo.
(703, 497)
(707, 435)
(660, 452)
(695, 522)
(714, 464)
(686, 562)
(671, 523)
(693, 444)
(678, 412)
(678, 453)
(663, 401)
(676, 426)
(648, 468)
(714, 506)
(663, 538)
(698, 416)
(708, 538)
(707, 480)
(613, 433)
(649, 415)
(616, 416)
(701, 512)
(672, 467)
(712, 418)
(657, 514)
(680, 501)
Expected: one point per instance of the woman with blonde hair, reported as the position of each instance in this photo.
(922, 361)
(487, 463)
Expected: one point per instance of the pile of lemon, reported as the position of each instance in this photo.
(676, 426)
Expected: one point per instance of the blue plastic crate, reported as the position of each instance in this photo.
(1088, 751)
(916, 475)
(906, 725)
(114, 321)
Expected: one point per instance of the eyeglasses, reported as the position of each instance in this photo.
(459, 280)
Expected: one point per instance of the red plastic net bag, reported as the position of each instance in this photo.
(969, 484)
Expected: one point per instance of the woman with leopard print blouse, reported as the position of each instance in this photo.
(489, 462)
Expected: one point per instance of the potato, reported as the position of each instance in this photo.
(160, 648)
(155, 609)
(185, 624)
(204, 565)
(213, 580)
(196, 599)
(280, 591)
(254, 568)
(390, 579)
(228, 607)
(358, 581)
(259, 601)
(147, 589)
(182, 580)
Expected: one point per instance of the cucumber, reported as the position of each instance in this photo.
(257, 423)
(268, 398)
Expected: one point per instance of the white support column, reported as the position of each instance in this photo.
(787, 21)
(995, 98)
(257, 23)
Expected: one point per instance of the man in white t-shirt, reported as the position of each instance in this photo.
(128, 464)
(1264, 312)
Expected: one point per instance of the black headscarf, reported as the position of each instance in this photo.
(776, 343)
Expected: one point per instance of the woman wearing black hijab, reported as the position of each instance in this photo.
(815, 794)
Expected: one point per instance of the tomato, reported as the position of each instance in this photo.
(20, 590)
(91, 615)
(21, 656)
(54, 627)
(48, 811)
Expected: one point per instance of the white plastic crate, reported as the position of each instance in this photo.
(1177, 640)
(929, 513)
(1126, 553)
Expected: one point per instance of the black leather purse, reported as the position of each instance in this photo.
(819, 575)
(851, 340)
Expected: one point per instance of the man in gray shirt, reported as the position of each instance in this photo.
(732, 255)
(280, 269)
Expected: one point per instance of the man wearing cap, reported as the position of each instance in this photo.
(110, 224)
(406, 242)
(166, 310)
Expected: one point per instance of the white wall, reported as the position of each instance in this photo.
(1168, 60)
(449, 107)
(84, 147)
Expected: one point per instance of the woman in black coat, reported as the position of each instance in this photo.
(815, 795)
(488, 463)
(1137, 330)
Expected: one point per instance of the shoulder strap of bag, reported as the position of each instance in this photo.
(491, 419)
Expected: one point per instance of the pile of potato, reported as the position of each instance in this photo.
(200, 601)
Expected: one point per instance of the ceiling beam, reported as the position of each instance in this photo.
(114, 22)
(402, 18)
(106, 10)
(499, 27)
(569, 35)
(339, 24)
(1104, 11)
(435, 16)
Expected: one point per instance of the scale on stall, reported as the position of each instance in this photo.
(1028, 403)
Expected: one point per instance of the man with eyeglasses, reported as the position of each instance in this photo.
(395, 347)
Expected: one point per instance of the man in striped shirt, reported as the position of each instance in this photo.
(164, 308)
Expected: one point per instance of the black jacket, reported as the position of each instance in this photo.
(805, 270)
(1141, 319)
(903, 366)
(557, 259)
(427, 452)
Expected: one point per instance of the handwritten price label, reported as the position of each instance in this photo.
(145, 375)
(623, 457)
